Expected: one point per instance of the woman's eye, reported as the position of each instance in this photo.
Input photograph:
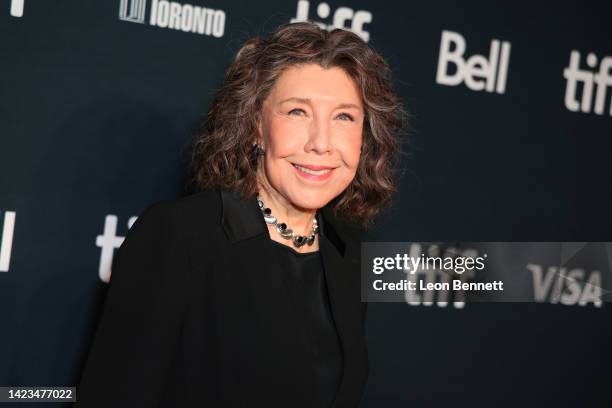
(295, 110)
(349, 117)
(344, 115)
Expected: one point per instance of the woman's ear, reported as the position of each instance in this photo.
(259, 139)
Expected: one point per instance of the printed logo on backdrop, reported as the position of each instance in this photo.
(133, 11)
(6, 240)
(17, 8)
(174, 15)
(478, 72)
(342, 16)
(108, 242)
(588, 80)
(567, 286)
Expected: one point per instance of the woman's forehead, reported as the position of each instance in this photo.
(313, 83)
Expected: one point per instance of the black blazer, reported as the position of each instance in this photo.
(197, 312)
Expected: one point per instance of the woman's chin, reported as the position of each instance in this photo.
(312, 203)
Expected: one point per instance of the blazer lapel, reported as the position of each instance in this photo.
(339, 251)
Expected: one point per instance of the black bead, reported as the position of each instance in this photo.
(267, 211)
(282, 226)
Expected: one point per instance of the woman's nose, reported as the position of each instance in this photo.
(320, 136)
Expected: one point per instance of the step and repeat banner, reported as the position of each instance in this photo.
(507, 154)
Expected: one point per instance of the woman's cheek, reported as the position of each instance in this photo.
(280, 142)
(353, 150)
(286, 130)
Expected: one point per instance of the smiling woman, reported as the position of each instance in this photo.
(247, 293)
(313, 98)
(312, 141)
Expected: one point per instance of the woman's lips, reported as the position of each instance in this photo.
(312, 167)
(314, 172)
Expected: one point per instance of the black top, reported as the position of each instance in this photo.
(310, 295)
(201, 312)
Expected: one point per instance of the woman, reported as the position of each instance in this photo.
(247, 293)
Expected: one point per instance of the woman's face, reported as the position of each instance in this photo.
(312, 118)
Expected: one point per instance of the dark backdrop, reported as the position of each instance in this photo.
(98, 105)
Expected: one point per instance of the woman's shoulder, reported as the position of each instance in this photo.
(186, 214)
(201, 203)
(186, 207)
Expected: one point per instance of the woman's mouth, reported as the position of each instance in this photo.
(313, 172)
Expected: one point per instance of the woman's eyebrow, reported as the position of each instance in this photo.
(307, 101)
(296, 99)
(348, 105)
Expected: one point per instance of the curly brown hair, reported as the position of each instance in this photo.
(223, 154)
